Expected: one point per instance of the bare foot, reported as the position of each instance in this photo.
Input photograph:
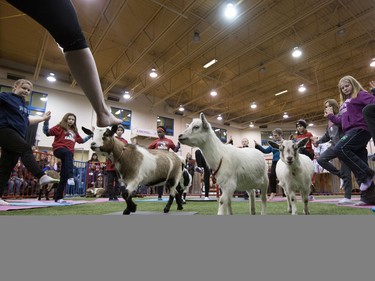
(106, 120)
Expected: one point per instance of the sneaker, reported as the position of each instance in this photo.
(115, 199)
(159, 198)
(61, 201)
(366, 184)
(311, 198)
(345, 201)
(47, 179)
(4, 203)
(206, 198)
(360, 203)
(71, 181)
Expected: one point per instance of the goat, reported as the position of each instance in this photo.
(244, 169)
(294, 172)
(137, 165)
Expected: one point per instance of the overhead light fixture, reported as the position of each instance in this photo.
(219, 117)
(213, 93)
(207, 65)
(282, 92)
(285, 115)
(230, 11)
(341, 31)
(251, 124)
(296, 52)
(51, 77)
(126, 95)
(311, 124)
(253, 105)
(181, 108)
(153, 73)
(196, 37)
(372, 63)
(302, 88)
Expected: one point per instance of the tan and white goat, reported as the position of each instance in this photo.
(294, 171)
(137, 165)
(244, 169)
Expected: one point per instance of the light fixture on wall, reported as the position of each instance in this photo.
(44, 98)
(253, 105)
(301, 88)
(126, 95)
(213, 93)
(51, 77)
(181, 108)
(153, 73)
(285, 115)
(296, 52)
(372, 63)
(219, 117)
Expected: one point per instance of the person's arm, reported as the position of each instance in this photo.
(37, 119)
(372, 85)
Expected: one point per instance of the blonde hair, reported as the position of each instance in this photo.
(333, 103)
(64, 122)
(355, 84)
(20, 82)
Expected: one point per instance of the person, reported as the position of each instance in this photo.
(66, 135)
(202, 164)
(369, 115)
(302, 133)
(245, 143)
(163, 143)
(94, 158)
(113, 184)
(332, 135)
(351, 148)
(277, 135)
(190, 164)
(61, 21)
(14, 120)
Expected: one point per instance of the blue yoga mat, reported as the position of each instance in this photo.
(39, 203)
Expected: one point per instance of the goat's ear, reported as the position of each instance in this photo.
(273, 144)
(87, 131)
(113, 129)
(302, 142)
(205, 124)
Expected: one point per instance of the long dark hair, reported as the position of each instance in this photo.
(64, 122)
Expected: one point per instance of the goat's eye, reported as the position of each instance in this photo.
(196, 127)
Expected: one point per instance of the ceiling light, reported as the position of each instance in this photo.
(282, 92)
(296, 52)
(153, 73)
(207, 65)
(285, 115)
(213, 93)
(219, 117)
(126, 95)
(302, 88)
(311, 124)
(341, 30)
(372, 64)
(251, 124)
(253, 105)
(51, 77)
(181, 108)
(230, 11)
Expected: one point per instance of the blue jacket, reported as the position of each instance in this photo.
(14, 113)
(269, 149)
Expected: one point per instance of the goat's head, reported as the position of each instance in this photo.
(102, 140)
(289, 149)
(196, 133)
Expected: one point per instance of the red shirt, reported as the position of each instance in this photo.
(64, 139)
(162, 144)
(308, 144)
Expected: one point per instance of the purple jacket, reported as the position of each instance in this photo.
(352, 117)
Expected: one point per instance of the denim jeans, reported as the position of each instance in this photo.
(344, 173)
(351, 149)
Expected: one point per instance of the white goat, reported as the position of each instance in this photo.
(137, 165)
(294, 171)
(244, 169)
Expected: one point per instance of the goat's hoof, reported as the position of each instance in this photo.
(253, 213)
(180, 208)
(166, 210)
(126, 212)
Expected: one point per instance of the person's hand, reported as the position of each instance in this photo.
(47, 116)
(328, 111)
(255, 143)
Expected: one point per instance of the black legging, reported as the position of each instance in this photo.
(201, 162)
(14, 146)
(58, 17)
